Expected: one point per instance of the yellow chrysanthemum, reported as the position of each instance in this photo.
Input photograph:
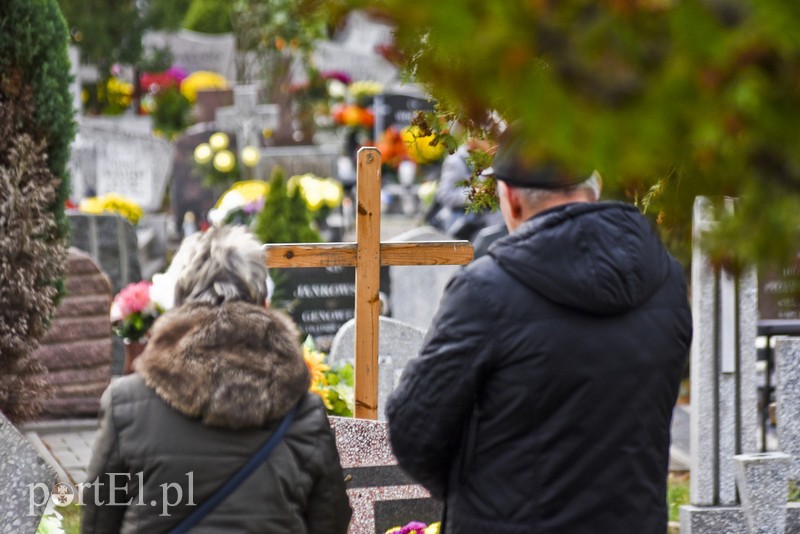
(365, 88)
(112, 203)
(419, 147)
(317, 191)
(315, 363)
(201, 80)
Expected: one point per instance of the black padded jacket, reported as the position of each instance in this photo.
(542, 399)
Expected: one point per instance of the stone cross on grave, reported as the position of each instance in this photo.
(367, 255)
(246, 117)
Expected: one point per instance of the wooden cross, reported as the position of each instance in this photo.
(367, 255)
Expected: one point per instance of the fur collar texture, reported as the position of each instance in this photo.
(236, 365)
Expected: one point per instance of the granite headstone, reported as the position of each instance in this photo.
(77, 349)
(320, 300)
(354, 50)
(418, 289)
(188, 193)
(195, 51)
(398, 342)
(112, 242)
(723, 362)
(319, 160)
(108, 159)
(787, 400)
(246, 118)
(25, 481)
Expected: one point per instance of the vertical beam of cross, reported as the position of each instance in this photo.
(367, 255)
(368, 265)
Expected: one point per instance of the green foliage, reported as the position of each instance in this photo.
(262, 25)
(209, 16)
(677, 495)
(32, 256)
(106, 31)
(156, 60)
(33, 43)
(165, 15)
(690, 98)
(172, 114)
(70, 522)
(217, 179)
(36, 129)
(285, 217)
(135, 326)
(340, 381)
(278, 31)
(794, 491)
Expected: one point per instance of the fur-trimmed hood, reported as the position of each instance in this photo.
(236, 365)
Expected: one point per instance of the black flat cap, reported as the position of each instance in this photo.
(515, 166)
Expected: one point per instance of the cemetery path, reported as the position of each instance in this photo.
(65, 444)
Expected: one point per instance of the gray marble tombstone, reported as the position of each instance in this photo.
(112, 242)
(118, 157)
(25, 481)
(354, 50)
(763, 482)
(382, 496)
(723, 363)
(195, 51)
(319, 160)
(787, 397)
(188, 193)
(246, 117)
(398, 342)
(416, 290)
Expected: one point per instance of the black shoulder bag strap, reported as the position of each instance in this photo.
(240, 476)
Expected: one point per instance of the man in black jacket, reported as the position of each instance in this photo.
(542, 399)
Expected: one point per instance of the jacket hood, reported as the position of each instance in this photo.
(236, 365)
(602, 258)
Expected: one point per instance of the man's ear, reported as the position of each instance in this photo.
(598, 190)
(514, 202)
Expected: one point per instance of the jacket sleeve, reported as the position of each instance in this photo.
(437, 391)
(98, 516)
(329, 507)
(454, 170)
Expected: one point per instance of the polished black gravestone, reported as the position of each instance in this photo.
(321, 299)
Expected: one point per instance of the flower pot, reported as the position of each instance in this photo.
(132, 351)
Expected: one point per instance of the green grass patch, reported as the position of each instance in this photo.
(70, 522)
(677, 494)
(794, 491)
(72, 519)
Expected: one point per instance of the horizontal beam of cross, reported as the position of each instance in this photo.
(367, 255)
(296, 255)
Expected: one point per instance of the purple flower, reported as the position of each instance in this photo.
(177, 73)
(337, 75)
(254, 206)
(414, 527)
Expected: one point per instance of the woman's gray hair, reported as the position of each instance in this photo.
(223, 265)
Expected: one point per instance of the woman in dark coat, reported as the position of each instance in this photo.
(219, 373)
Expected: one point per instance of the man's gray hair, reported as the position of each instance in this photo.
(223, 265)
(534, 195)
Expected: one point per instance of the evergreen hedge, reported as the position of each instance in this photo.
(36, 129)
(285, 217)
